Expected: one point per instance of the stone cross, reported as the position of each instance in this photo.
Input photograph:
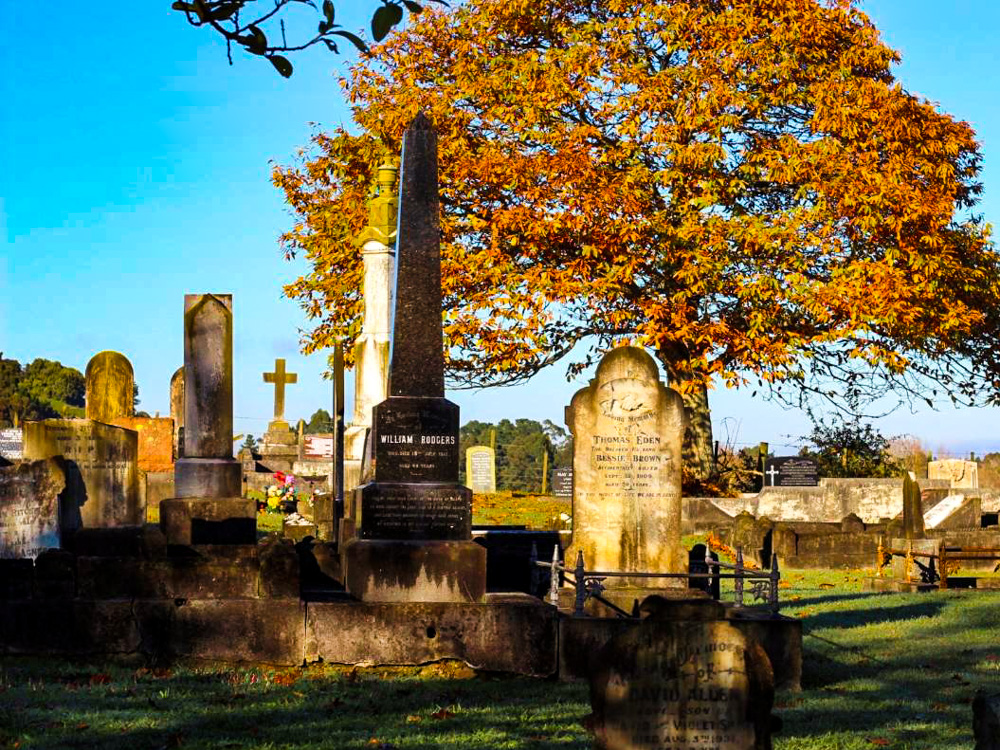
(279, 377)
(417, 355)
(772, 472)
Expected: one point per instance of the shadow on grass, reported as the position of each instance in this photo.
(194, 711)
(854, 618)
(829, 599)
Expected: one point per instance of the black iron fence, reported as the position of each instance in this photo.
(589, 584)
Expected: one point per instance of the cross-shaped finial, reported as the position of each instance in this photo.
(279, 377)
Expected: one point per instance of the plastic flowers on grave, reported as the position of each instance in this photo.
(280, 497)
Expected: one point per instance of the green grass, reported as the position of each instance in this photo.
(533, 511)
(880, 670)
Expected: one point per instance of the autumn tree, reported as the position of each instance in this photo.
(739, 185)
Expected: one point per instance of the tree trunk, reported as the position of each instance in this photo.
(697, 452)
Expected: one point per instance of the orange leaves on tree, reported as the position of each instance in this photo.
(743, 187)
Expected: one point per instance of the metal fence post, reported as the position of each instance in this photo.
(708, 569)
(581, 591)
(775, 577)
(738, 580)
(554, 580)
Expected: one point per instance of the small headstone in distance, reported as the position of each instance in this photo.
(791, 471)
(562, 481)
(682, 685)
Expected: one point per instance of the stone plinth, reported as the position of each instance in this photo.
(101, 468)
(207, 477)
(407, 511)
(627, 432)
(415, 571)
(230, 520)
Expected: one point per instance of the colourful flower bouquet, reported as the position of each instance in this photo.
(280, 497)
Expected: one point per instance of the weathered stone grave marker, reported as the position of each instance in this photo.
(12, 443)
(627, 432)
(29, 507)
(682, 685)
(177, 409)
(208, 508)
(102, 474)
(110, 387)
(414, 521)
(481, 468)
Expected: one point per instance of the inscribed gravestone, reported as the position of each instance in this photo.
(627, 431)
(317, 447)
(29, 507)
(110, 387)
(562, 481)
(177, 409)
(156, 441)
(791, 471)
(11, 443)
(102, 475)
(682, 685)
(481, 469)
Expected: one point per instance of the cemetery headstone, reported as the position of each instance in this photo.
(29, 508)
(958, 472)
(913, 508)
(414, 521)
(12, 443)
(110, 387)
(208, 508)
(156, 441)
(562, 481)
(279, 448)
(481, 469)
(682, 685)
(177, 409)
(102, 473)
(791, 471)
(627, 431)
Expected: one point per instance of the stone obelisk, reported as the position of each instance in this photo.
(208, 508)
(414, 520)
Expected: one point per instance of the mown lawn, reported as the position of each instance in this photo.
(881, 670)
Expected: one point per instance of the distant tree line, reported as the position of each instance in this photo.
(43, 389)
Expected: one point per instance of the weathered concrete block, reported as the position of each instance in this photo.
(229, 520)
(259, 630)
(279, 569)
(55, 575)
(189, 578)
(388, 570)
(511, 636)
(146, 542)
(15, 579)
(70, 627)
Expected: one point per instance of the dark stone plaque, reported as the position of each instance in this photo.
(791, 471)
(562, 481)
(416, 440)
(415, 511)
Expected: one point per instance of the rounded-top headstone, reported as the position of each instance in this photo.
(110, 387)
(681, 684)
(627, 429)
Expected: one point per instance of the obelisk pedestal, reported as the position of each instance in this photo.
(208, 508)
(414, 520)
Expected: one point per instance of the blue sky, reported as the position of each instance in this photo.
(135, 169)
